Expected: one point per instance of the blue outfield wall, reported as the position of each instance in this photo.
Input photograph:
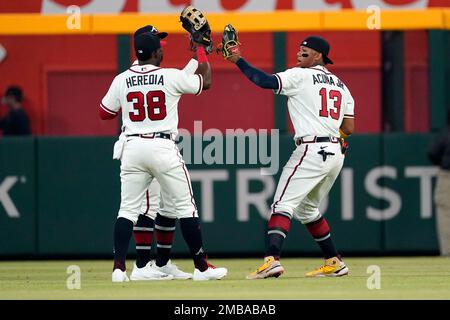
(60, 196)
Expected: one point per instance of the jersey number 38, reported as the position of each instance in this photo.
(155, 101)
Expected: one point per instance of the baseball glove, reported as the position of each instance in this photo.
(194, 22)
(344, 145)
(230, 43)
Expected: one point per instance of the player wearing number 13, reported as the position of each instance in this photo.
(148, 96)
(320, 107)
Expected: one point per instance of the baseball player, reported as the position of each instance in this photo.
(149, 220)
(322, 110)
(148, 96)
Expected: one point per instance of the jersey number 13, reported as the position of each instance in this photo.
(155, 102)
(335, 110)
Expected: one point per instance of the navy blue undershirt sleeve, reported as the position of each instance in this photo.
(258, 77)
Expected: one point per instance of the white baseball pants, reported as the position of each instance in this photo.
(154, 201)
(306, 179)
(145, 159)
(151, 203)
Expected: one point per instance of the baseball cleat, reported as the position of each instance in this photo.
(270, 268)
(333, 267)
(148, 273)
(212, 273)
(172, 269)
(119, 276)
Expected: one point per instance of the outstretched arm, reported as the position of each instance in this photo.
(231, 52)
(196, 24)
(191, 66)
(203, 67)
(257, 76)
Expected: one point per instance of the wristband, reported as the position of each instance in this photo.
(201, 55)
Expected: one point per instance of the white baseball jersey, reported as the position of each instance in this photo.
(153, 200)
(191, 66)
(148, 96)
(317, 100)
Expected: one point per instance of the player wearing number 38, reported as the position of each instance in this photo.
(148, 96)
(322, 112)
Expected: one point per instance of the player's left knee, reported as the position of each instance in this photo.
(308, 217)
(283, 207)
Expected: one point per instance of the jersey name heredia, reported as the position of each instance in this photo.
(145, 79)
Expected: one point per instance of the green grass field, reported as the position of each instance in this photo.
(401, 278)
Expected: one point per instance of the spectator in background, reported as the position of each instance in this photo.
(439, 154)
(16, 121)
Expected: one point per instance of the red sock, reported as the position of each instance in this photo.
(143, 237)
(278, 228)
(320, 231)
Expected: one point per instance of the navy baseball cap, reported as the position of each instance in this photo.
(151, 29)
(15, 92)
(145, 44)
(320, 45)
